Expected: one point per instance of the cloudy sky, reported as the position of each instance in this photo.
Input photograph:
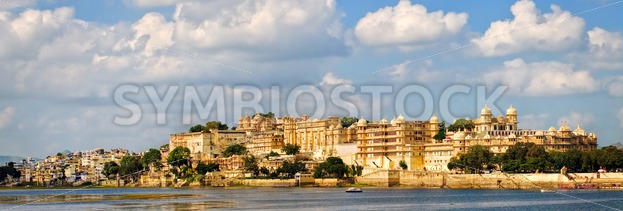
(63, 61)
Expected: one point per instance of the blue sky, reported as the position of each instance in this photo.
(58, 77)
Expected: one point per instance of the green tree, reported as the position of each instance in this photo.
(441, 134)
(250, 164)
(533, 164)
(529, 157)
(518, 152)
(332, 167)
(611, 158)
(264, 171)
(354, 170)
(291, 168)
(291, 149)
(455, 163)
(196, 128)
(9, 170)
(110, 169)
(235, 149)
(572, 159)
(186, 172)
(557, 159)
(212, 167)
(164, 147)
(203, 168)
(348, 121)
(152, 157)
(477, 159)
(461, 125)
(403, 165)
(234, 128)
(536, 151)
(215, 125)
(266, 115)
(271, 154)
(359, 170)
(179, 156)
(129, 167)
(512, 166)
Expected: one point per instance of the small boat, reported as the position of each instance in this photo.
(548, 190)
(354, 190)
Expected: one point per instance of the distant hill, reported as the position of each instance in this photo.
(5, 159)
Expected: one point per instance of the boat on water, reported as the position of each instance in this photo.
(548, 190)
(354, 190)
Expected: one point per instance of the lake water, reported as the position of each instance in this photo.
(307, 199)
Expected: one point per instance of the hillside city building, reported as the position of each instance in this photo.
(375, 145)
(381, 144)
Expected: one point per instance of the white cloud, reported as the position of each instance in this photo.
(407, 24)
(23, 34)
(6, 115)
(574, 118)
(418, 72)
(243, 30)
(154, 3)
(75, 69)
(533, 121)
(267, 29)
(153, 28)
(620, 116)
(614, 86)
(234, 32)
(331, 79)
(541, 78)
(606, 49)
(529, 30)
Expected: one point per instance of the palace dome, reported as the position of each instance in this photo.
(383, 121)
(552, 129)
(459, 136)
(485, 111)
(511, 110)
(362, 122)
(579, 130)
(565, 128)
(401, 119)
(433, 119)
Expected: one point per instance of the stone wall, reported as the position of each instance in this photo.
(326, 182)
(421, 179)
(388, 178)
(148, 181)
(380, 178)
(266, 182)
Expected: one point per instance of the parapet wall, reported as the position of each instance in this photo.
(266, 182)
(388, 178)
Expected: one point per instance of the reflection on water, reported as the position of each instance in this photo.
(304, 198)
(71, 197)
